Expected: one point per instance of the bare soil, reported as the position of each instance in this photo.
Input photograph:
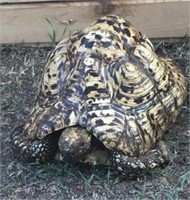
(20, 72)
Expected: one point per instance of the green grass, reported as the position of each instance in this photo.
(99, 180)
(53, 35)
(91, 178)
(141, 193)
(10, 47)
(105, 177)
(169, 188)
(183, 180)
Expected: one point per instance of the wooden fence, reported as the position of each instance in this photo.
(31, 21)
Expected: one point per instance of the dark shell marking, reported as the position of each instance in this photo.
(108, 79)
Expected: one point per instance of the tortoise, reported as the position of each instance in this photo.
(105, 98)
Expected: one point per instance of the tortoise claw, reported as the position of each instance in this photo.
(154, 158)
(34, 150)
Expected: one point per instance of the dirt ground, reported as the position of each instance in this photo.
(20, 72)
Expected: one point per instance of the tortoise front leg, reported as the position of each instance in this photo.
(128, 165)
(36, 150)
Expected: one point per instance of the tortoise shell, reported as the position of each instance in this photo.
(108, 79)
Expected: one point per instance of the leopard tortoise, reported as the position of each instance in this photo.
(105, 98)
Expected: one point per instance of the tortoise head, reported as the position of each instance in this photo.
(75, 143)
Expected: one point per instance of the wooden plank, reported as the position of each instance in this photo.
(27, 22)
(29, 1)
(127, 1)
